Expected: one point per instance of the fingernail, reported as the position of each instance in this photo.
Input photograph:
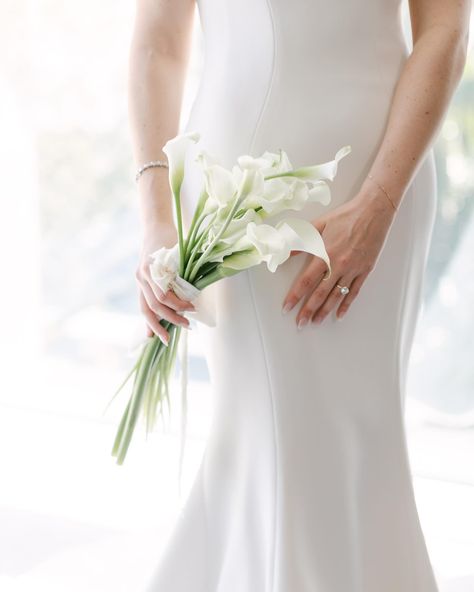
(302, 322)
(163, 340)
(340, 317)
(288, 306)
(317, 320)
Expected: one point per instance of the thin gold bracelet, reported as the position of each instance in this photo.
(384, 190)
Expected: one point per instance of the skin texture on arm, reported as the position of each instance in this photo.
(158, 60)
(355, 232)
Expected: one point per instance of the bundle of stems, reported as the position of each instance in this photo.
(226, 236)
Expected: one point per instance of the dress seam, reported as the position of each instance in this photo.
(259, 328)
(273, 407)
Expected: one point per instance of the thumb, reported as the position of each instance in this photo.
(319, 224)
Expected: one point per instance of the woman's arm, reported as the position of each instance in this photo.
(440, 30)
(159, 55)
(355, 232)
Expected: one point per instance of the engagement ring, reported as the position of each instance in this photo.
(343, 289)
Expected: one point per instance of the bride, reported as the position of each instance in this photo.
(305, 482)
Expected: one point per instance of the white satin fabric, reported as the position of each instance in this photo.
(305, 483)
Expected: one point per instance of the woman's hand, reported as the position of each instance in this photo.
(154, 303)
(354, 234)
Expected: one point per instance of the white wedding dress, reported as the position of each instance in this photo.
(305, 481)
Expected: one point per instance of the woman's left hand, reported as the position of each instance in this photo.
(354, 234)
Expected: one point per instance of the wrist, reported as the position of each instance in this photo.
(372, 201)
(156, 227)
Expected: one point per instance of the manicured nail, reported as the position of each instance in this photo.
(302, 322)
(317, 320)
(288, 306)
(163, 340)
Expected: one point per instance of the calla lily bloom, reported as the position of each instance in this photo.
(317, 172)
(175, 149)
(273, 244)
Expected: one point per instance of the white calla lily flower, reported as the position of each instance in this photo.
(175, 149)
(273, 244)
(237, 227)
(220, 183)
(236, 230)
(313, 173)
(317, 172)
(224, 185)
(280, 162)
(260, 163)
(319, 192)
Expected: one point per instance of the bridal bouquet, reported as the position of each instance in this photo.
(227, 234)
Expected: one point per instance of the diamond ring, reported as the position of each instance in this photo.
(343, 289)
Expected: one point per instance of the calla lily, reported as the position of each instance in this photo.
(233, 233)
(320, 192)
(279, 162)
(224, 185)
(286, 193)
(251, 182)
(220, 183)
(175, 149)
(318, 172)
(273, 244)
(261, 163)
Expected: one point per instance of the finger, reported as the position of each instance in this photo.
(349, 298)
(169, 298)
(153, 321)
(304, 283)
(160, 309)
(333, 299)
(315, 299)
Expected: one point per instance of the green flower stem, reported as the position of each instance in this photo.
(290, 173)
(123, 383)
(179, 224)
(197, 218)
(211, 245)
(153, 349)
(218, 274)
(196, 247)
(193, 231)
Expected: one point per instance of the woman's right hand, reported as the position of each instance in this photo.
(154, 303)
